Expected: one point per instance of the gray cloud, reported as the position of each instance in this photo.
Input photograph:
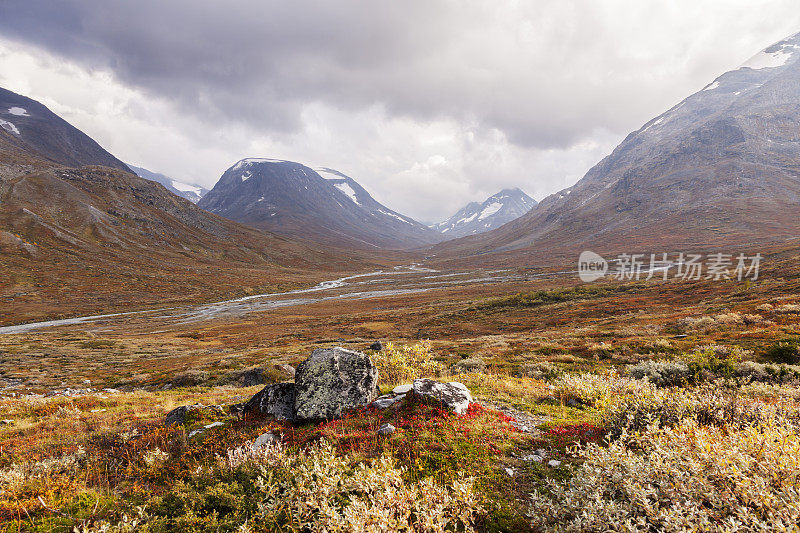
(459, 98)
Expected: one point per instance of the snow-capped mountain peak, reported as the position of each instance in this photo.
(492, 213)
(321, 205)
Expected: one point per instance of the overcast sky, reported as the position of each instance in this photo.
(428, 104)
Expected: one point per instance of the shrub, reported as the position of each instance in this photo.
(190, 378)
(686, 478)
(787, 351)
(402, 363)
(312, 489)
(543, 370)
(712, 361)
(750, 371)
(470, 364)
(660, 373)
(595, 389)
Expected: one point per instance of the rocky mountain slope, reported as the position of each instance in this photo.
(35, 129)
(720, 168)
(326, 206)
(98, 238)
(193, 193)
(498, 209)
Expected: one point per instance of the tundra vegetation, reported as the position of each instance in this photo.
(590, 415)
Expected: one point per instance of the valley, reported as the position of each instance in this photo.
(264, 344)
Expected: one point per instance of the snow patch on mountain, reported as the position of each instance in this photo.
(348, 190)
(774, 56)
(254, 160)
(490, 210)
(18, 111)
(185, 187)
(8, 126)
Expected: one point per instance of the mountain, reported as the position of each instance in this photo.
(37, 130)
(99, 239)
(721, 168)
(498, 209)
(291, 199)
(193, 193)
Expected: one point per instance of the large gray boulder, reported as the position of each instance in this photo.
(333, 380)
(276, 400)
(454, 396)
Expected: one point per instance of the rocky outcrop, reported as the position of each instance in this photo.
(276, 400)
(333, 380)
(454, 396)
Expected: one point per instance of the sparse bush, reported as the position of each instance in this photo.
(750, 371)
(402, 363)
(312, 489)
(685, 478)
(788, 308)
(713, 361)
(594, 389)
(660, 373)
(787, 351)
(190, 378)
(543, 370)
(470, 364)
(709, 406)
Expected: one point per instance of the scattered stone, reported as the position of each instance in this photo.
(178, 415)
(5, 422)
(509, 471)
(332, 380)
(383, 403)
(403, 389)
(386, 429)
(111, 391)
(533, 457)
(553, 463)
(454, 396)
(200, 431)
(277, 400)
(376, 346)
(265, 439)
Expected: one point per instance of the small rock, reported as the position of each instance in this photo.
(111, 391)
(509, 471)
(386, 429)
(454, 396)
(376, 346)
(214, 425)
(178, 415)
(383, 403)
(541, 451)
(553, 463)
(6, 421)
(403, 389)
(198, 431)
(265, 439)
(535, 458)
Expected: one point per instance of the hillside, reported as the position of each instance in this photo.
(96, 239)
(721, 168)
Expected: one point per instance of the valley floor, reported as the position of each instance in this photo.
(652, 379)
